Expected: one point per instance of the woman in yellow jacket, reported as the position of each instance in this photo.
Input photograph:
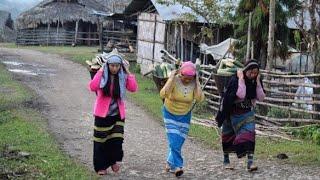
(179, 93)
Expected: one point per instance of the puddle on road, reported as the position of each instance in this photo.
(21, 71)
(28, 69)
(13, 63)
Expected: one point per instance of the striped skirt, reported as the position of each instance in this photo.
(177, 128)
(108, 139)
(238, 135)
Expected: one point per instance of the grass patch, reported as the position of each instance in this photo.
(300, 153)
(23, 130)
(11, 93)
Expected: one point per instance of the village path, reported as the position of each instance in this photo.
(65, 102)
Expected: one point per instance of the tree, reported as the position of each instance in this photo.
(271, 33)
(215, 12)
(260, 20)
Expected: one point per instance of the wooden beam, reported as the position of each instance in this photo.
(100, 27)
(154, 37)
(287, 108)
(249, 38)
(181, 41)
(76, 32)
(48, 33)
(57, 31)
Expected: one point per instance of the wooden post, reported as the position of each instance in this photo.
(249, 38)
(175, 40)
(154, 38)
(181, 41)
(218, 36)
(33, 36)
(100, 26)
(57, 31)
(113, 10)
(76, 32)
(48, 33)
(191, 51)
(167, 38)
(252, 50)
(89, 42)
(271, 34)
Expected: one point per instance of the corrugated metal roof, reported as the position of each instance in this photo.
(174, 12)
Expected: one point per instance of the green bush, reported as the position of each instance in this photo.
(202, 110)
(310, 133)
(135, 68)
(281, 113)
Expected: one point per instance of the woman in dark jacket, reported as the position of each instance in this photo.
(237, 114)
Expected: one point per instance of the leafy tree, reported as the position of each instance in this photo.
(283, 9)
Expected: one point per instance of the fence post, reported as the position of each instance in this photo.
(48, 34)
(76, 33)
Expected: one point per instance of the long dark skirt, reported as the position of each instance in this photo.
(238, 135)
(108, 139)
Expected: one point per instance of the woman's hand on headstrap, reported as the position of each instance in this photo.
(173, 74)
(259, 79)
(126, 69)
(240, 74)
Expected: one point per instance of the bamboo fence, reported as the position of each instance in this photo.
(281, 97)
(63, 37)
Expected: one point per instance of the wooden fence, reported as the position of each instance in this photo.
(63, 37)
(282, 104)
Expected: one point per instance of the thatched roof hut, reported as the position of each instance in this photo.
(53, 11)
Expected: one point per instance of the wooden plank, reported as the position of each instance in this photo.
(291, 94)
(287, 108)
(291, 76)
(76, 33)
(315, 121)
(291, 101)
(291, 84)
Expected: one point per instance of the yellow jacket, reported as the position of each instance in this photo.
(179, 97)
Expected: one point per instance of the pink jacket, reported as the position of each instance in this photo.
(101, 106)
(241, 92)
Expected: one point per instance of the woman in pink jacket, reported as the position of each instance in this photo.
(110, 84)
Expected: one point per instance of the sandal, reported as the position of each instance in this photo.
(167, 169)
(102, 172)
(115, 168)
(228, 166)
(252, 168)
(178, 172)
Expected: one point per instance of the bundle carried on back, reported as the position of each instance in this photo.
(227, 68)
(97, 62)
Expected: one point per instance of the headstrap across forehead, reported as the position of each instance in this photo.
(252, 64)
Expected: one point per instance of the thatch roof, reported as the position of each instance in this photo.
(50, 11)
(115, 6)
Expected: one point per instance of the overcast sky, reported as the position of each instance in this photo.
(15, 7)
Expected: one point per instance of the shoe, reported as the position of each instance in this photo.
(167, 169)
(228, 166)
(178, 172)
(102, 172)
(252, 168)
(115, 168)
